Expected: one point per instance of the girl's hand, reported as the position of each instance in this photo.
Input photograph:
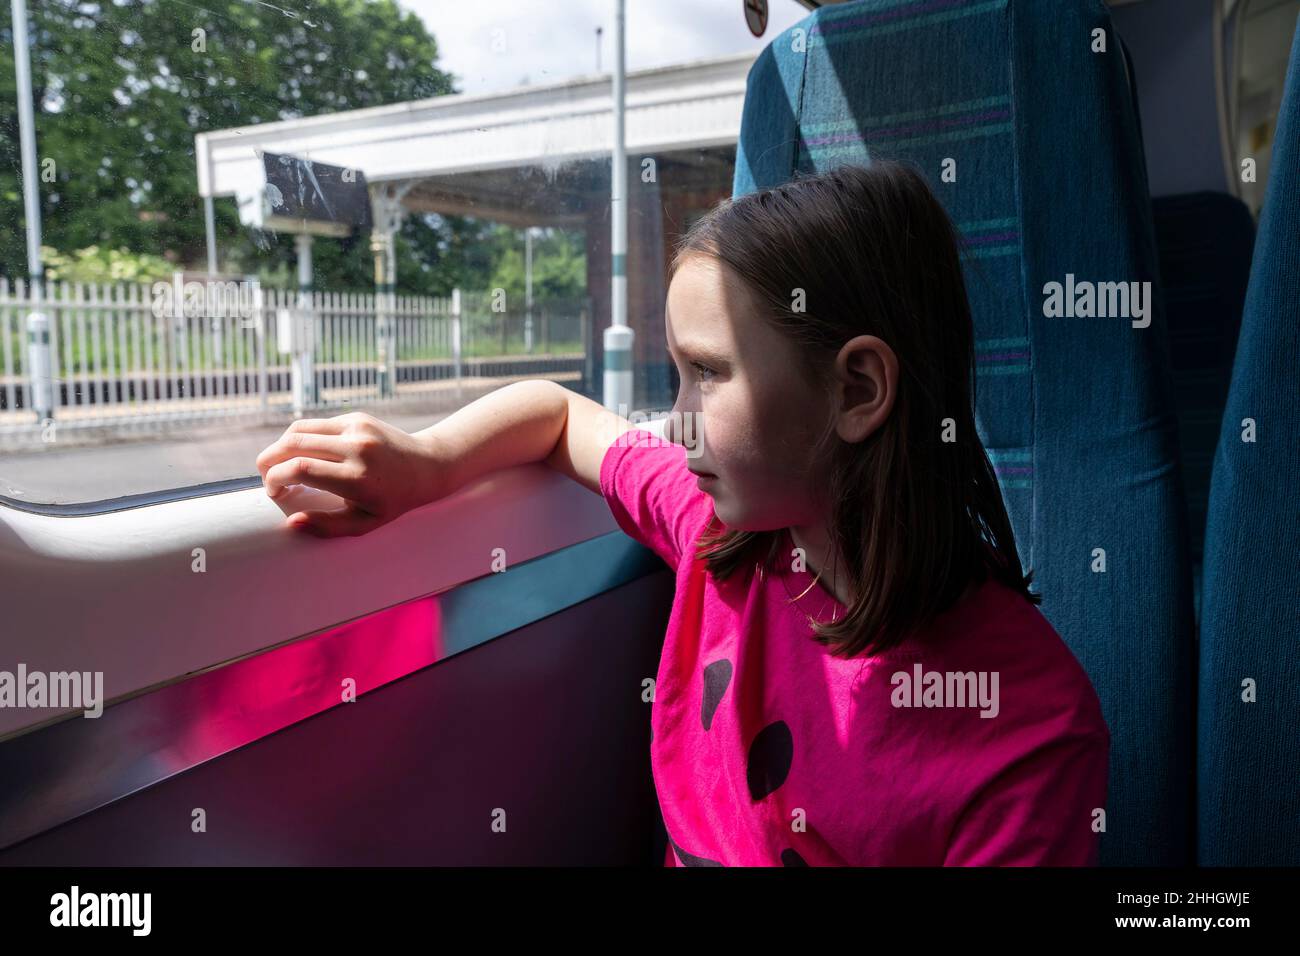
(381, 471)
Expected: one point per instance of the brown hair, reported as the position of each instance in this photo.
(917, 519)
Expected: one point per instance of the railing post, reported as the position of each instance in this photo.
(7, 346)
(584, 331)
(259, 345)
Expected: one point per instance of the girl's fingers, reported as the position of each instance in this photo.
(331, 476)
(302, 444)
(333, 524)
(321, 426)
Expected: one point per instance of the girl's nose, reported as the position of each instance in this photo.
(673, 425)
(683, 427)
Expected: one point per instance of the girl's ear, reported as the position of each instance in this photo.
(866, 383)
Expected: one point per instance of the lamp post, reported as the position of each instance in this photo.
(528, 289)
(38, 326)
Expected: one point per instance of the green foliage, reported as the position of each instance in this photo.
(96, 264)
(123, 86)
(559, 266)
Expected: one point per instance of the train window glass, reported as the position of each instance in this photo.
(226, 243)
(1263, 37)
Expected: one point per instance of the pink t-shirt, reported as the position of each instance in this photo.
(768, 751)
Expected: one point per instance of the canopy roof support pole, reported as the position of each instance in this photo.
(303, 370)
(386, 201)
(210, 233)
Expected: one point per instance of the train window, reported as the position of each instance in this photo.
(251, 213)
(1262, 43)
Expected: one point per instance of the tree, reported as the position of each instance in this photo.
(122, 86)
(559, 266)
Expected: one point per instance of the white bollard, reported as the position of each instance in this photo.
(38, 363)
(618, 368)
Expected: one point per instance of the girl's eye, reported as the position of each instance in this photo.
(702, 370)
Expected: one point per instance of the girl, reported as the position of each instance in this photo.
(855, 672)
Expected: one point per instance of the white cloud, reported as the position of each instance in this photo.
(493, 45)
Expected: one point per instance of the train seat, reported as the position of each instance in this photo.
(1248, 702)
(1021, 116)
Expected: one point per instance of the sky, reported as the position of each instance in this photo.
(492, 45)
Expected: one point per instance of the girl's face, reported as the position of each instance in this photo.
(754, 416)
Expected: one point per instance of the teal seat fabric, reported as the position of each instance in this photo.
(1248, 713)
(1076, 412)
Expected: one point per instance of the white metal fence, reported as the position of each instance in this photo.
(127, 356)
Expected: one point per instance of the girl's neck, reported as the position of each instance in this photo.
(818, 559)
(835, 577)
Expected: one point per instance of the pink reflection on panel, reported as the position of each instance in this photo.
(259, 695)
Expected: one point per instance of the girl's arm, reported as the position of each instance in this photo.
(588, 431)
(526, 422)
(383, 472)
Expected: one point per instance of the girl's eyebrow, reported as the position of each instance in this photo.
(702, 353)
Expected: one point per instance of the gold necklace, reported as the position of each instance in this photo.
(834, 617)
